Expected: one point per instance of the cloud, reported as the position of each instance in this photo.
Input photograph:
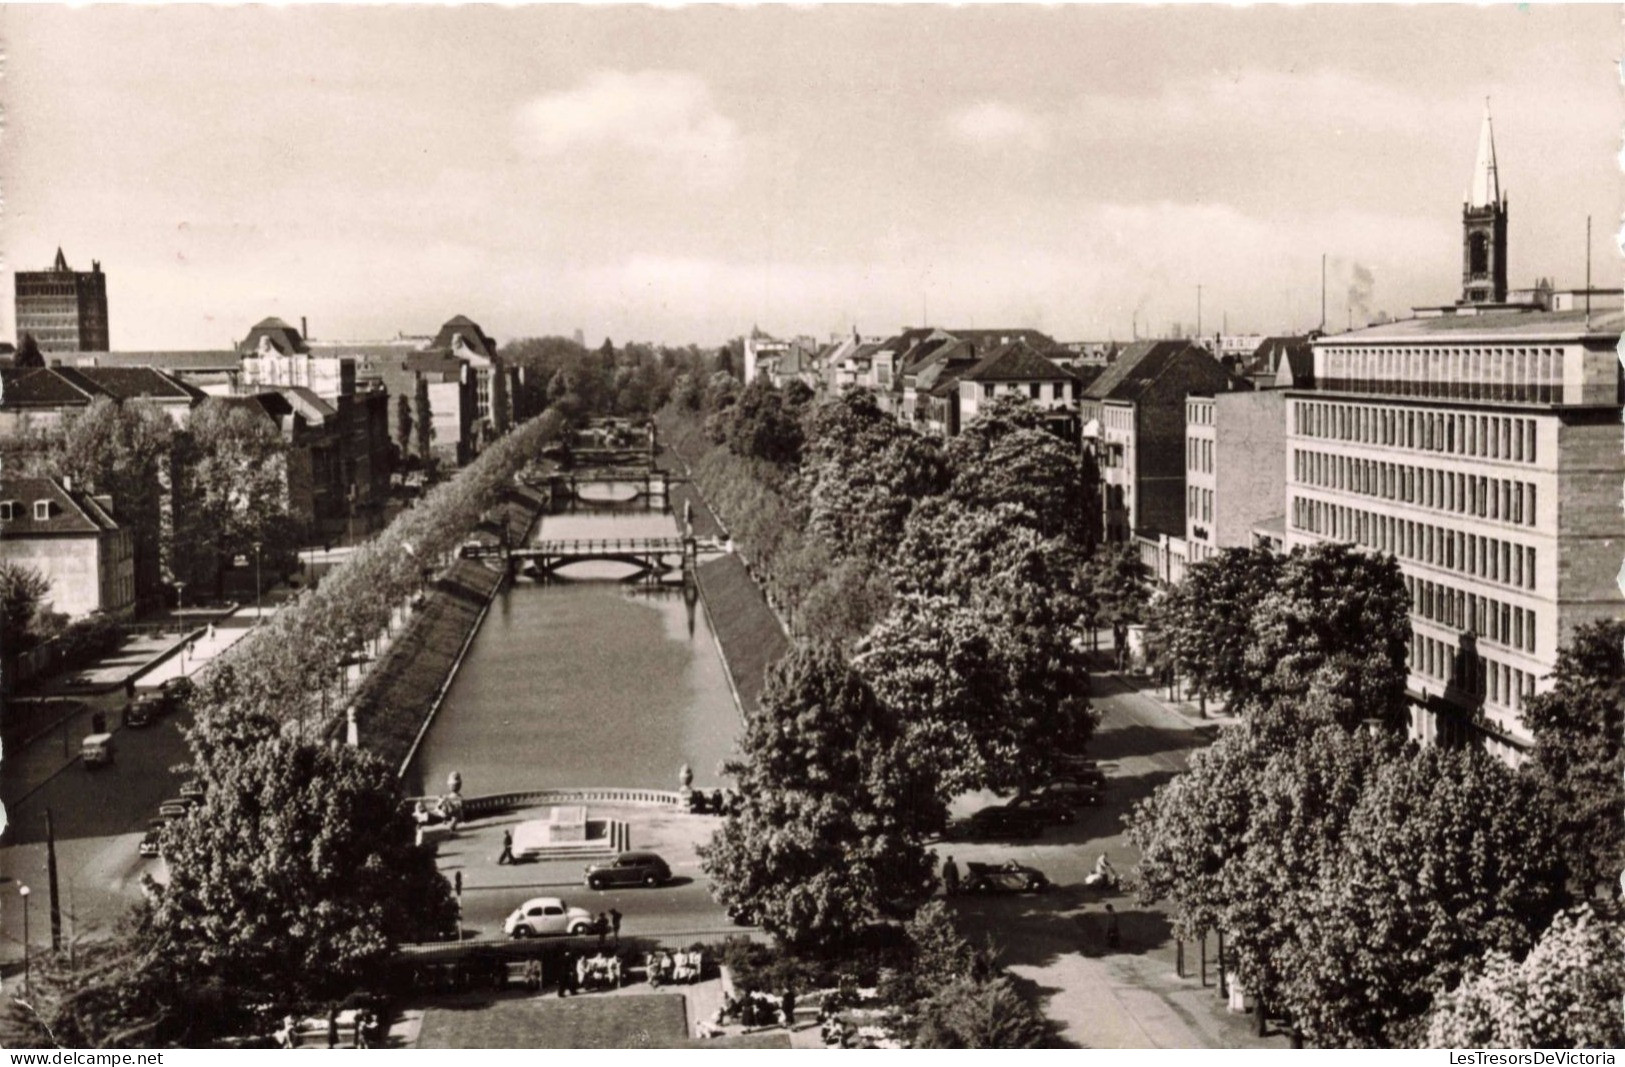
(991, 124)
(665, 121)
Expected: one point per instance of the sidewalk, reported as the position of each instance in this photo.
(49, 751)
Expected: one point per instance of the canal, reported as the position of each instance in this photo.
(588, 681)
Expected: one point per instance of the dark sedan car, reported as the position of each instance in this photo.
(150, 846)
(996, 823)
(1052, 809)
(1012, 877)
(629, 868)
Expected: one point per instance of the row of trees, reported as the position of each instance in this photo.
(1355, 876)
(297, 875)
(962, 674)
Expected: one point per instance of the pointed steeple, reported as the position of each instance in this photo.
(61, 260)
(1486, 190)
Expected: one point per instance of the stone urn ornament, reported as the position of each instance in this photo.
(454, 782)
(685, 777)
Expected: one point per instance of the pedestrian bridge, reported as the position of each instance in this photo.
(650, 556)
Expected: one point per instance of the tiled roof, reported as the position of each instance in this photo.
(283, 338)
(1017, 361)
(70, 513)
(1490, 326)
(308, 404)
(466, 328)
(122, 383)
(1136, 368)
(44, 387)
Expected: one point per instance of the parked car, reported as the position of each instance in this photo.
(150, 846)
(629, 868)
(176, 808)
(143, 710)
(1009, 877)
(541, 916)
(1077, 794)
(996, 822)
(1052, 809)
(1086, 771)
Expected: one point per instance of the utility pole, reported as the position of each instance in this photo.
(51, 883)
(1588, 272)
(1323, 292)
(1198, 311)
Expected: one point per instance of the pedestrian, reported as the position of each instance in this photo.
(788, 1004)
(602, 926)
(209, 633)
(1113, 937)
(950, 877)
(457, 882)
(361, 1022)
(566, 972)
(716, 802)
(333, 1026)
(507, 848)
(533, 975)
(615, 925)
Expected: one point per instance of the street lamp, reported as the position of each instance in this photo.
(27, 988)
(180, 596)
(256, 583)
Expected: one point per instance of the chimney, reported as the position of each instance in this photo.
(67, 482)
(304, 331)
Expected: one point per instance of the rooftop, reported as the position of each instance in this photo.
(70, 513)
(1490, 326)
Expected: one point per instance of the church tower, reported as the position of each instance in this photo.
(1484, 227)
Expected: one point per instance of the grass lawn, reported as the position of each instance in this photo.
(656, 1020)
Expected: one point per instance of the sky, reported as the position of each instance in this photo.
(680, 175)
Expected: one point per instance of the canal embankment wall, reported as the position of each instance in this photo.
(401, 695)
(749, 635)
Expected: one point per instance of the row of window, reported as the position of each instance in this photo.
(1474, 555)
(1453, 433)
(1199, 412)
(1199, 504)
(1496, 684)
(1199, 454)
(1491, 619)
(1462, 365)
(12, 509)
(1501, 499)
(1057, 390)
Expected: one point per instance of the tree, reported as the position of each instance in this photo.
(1116, 580)
(234, 491)
(760, 426)
(1006, 456)
(1565, 994)
(88, 996)
(725, 361)
(403, 426)
(125, 449)
(606, 354)
(833, 812)
(1447, 855)
(1337, 625)
(1204, 624)
(294, 879)
(28, 353)
(22, 591)
(966, 1013)
(424, 419)
(1579, 760)
(863, 479)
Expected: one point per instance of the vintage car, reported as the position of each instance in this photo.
(1011, 877)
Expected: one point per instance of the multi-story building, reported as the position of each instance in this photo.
(1018, 369)
(72, 540)
(36, 399)
(1235, 468)
(1133, 419)
(62, 309)
(1481, 447)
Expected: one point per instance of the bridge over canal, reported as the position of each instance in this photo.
(652, 557)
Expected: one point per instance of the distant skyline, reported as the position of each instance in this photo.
(680, 175)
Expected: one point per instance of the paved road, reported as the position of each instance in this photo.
(1129, 998)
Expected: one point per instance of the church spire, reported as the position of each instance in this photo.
(1486, 191)
(61, 260)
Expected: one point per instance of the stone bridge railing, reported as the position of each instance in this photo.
(473, 807)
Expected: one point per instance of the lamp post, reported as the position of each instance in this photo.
(256, 583)
(27, 987)
(180, 596)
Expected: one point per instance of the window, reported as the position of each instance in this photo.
(987, 391)
(1033, 389)
(8, 510)
(42, 510)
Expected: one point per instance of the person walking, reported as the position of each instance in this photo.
(1113, 937)
(507, 848)
(787, 1004)
(950, 877)
(602, 926)
(333, 1026)
(615, 925)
